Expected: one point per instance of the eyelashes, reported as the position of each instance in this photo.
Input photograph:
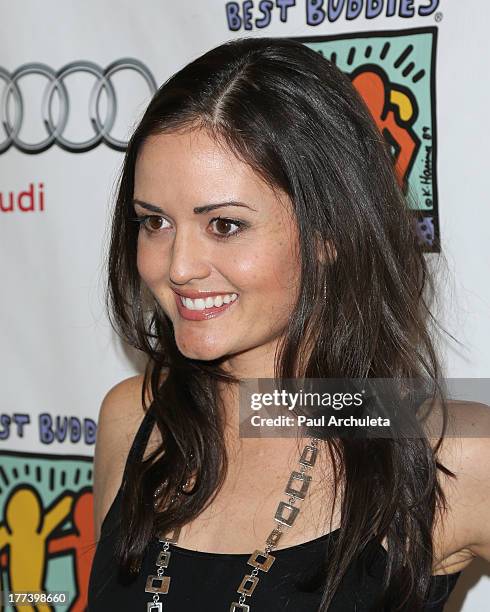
(241, 225)
(142, 223)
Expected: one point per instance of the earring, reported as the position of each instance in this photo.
(325, 290)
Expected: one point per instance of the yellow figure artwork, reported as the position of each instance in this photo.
(25, 531)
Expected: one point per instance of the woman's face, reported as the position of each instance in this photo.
(214, 231)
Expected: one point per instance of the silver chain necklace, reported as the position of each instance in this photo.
(260, 560)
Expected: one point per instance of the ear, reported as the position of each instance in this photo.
(326, 251)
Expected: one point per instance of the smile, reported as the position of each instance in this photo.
(204, 308)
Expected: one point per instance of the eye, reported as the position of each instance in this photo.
(150, 223)
(222, 225)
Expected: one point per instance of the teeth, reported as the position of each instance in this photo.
(188, 303)
(209, 302)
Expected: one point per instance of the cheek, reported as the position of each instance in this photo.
(273, 270)
(285, 274)
(150, 266)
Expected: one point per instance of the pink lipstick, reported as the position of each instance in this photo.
(206, 313)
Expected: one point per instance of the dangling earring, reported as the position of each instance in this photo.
(325, 290)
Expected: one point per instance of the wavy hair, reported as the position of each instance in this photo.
(298, 121)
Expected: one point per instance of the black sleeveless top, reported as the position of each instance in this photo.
(208, 581)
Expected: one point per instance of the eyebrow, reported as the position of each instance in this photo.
(197, 209)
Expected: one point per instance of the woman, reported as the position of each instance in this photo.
(260, 232)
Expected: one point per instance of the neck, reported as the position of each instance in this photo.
(249, 449)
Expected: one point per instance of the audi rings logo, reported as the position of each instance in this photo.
(12, 105)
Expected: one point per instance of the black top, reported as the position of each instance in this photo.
(208, 581)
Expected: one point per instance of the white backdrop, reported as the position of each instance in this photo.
(59, 355)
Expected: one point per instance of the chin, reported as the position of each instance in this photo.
(199, 350)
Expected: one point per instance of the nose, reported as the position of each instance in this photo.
(189, 258)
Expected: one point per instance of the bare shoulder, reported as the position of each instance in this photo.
(120, 416)
(463, 532)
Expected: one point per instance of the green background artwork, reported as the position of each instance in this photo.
(46, 526)
(402, 63)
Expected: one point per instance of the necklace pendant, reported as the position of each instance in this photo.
(249, 580)
(274, 537)
(308, 456)
(281, 515)
(154, 607)
(163, 558)
(261, 560)
(304, 479)
(162, 588)
(236, 607)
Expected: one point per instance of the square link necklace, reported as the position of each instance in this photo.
(260, 560)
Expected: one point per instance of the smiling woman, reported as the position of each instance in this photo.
(248, 255)
(260, 232)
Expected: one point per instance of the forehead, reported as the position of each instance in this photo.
(192, 165)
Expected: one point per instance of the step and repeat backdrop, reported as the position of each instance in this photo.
(74, 79)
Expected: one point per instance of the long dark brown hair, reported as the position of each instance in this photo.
(298, 121)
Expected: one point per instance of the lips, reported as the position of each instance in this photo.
(201, 315)
(193, 295)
